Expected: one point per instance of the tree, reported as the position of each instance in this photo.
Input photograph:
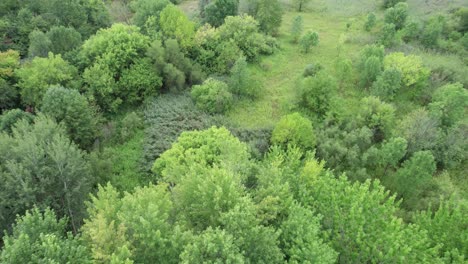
(414, 75)
(212, 246)
(8, 95)
(370, 22)
(387, 35)
(9, 62)
(344, 72)
(41, 166)
(146, 9)
(216, 11)
(296, 28)
(39, 237)
(71, 108)
(391, 3)
(310, 39)
(244, 32)
(10, 117)
(432, 32)
(212, 147)
(387, 84)
(378, 116)
(371, 71)
(446, 227)
(109, 56)
(203, 195)
(41, 73)
(240, 82)
(300, 238)
(39, 44)
(63, 39)
(295, 130)
(269, 15)
(300, 4)
(397, 15)
(317, 94)
(390, 154)
(415, 175)
(176, 25)
(212, 96)
(449, 104)
(421, 131)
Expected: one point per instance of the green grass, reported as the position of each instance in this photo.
(126, 163)
(281, 72)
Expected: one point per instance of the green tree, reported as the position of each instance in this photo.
(300, 238)
(432, 32)
(378, 116)
(449, 104)
(414, 175)
(203, 194)
(397, 15)
(9, 62)
(420, 130)
(8, 95)
(269, 15)
(370, 22)
(109, 56)
(391, 3)
(38, 237)
(216, 11)
(387, 84)
(9, 118)
(354, 229)
(310, 39)
(212, 246)
(71, 108)
(240, 82)
(317, 94)
(295, 130)
(300, 4)
(63, 39)
(41, 166)
(176, 25)
(296, 28)
(211, 147)
(38, 75)
(371, 71)
(212, 96)
(146, 9)
(39, 44)
(414, 75)
(387, 35)
(446, 227)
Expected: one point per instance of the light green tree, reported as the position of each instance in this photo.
(39, 237)
(176, 25)
(414, 75)
(41, 73)
(449, 104)
(212, 96)
(295, 130)
(310, 39)
(300, 4)
(269, 15)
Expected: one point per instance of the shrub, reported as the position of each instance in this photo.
(212, 96)
(240, 82)
(311, 70)
(166, 117)
(370, 22)
(317, 93)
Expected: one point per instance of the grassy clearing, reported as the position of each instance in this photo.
(281, 72)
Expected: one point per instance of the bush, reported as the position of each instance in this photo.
(311, 70)
(295, 130)
(166, 117)
(212, 96)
